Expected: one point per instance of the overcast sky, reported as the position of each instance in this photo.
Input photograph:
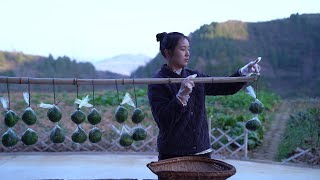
(97, 29)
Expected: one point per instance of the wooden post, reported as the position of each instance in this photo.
(245, 143)
(209, 125)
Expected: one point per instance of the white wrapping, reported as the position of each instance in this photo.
(26, 97)
(83, 102)
(249, 90)
(4, 102)
(47, 106)
(128, 100)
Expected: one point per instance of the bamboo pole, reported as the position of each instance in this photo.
(123, 81)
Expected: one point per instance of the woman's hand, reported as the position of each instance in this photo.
(185, 89)
(251, 67)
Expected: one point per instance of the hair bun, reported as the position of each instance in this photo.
(160, 36)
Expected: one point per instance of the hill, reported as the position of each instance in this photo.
(122, 64)
(290, 51)
(18, 64)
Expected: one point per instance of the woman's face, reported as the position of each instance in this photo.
(180, 56)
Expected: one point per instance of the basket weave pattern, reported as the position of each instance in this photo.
(191, 168)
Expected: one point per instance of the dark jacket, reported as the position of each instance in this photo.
(183, 130)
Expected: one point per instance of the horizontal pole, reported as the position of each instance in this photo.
(75, 81)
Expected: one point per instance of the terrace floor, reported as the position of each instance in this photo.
(93, 165)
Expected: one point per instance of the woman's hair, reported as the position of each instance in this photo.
(169, 41)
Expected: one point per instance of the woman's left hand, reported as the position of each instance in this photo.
(251, 67)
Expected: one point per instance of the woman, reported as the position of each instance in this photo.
(179, 109)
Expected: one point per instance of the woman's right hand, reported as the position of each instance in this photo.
(185, 89)
(251, 67)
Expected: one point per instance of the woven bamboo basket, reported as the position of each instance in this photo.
(191, 168)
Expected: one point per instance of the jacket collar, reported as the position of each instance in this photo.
(169, 73)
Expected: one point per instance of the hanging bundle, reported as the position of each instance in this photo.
(121, 114)
(94, 118)
(78, 117)
(29, 116)
(256, 107)
(138, 115)
(10, 117)
(9, 138)
(125, 138)
(95, 135)
(57, 134)
(139, 133)
(253, 124)
(79, 135)
(54, 114)
(29, 137)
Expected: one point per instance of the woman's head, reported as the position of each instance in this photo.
(175, 48)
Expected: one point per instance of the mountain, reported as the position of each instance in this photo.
(123, 64)
(18, 64)
(289, 47)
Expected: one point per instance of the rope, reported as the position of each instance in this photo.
(93, 95)
(54, 92)
(135, 95)
(77, 91)
(117, 91)
(29, 93)
(8, 93)
(256, 86)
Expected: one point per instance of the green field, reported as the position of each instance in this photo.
(303, 128)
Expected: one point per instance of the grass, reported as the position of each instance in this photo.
(303, 131)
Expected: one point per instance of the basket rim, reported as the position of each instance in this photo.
(231, 169)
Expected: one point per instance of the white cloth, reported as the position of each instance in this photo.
(178, 71)
(204, 152)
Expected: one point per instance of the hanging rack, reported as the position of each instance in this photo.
(123, 81)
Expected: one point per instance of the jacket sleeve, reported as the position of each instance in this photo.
(166, 110)
(223, 88)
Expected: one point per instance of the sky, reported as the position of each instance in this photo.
(93, 30)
